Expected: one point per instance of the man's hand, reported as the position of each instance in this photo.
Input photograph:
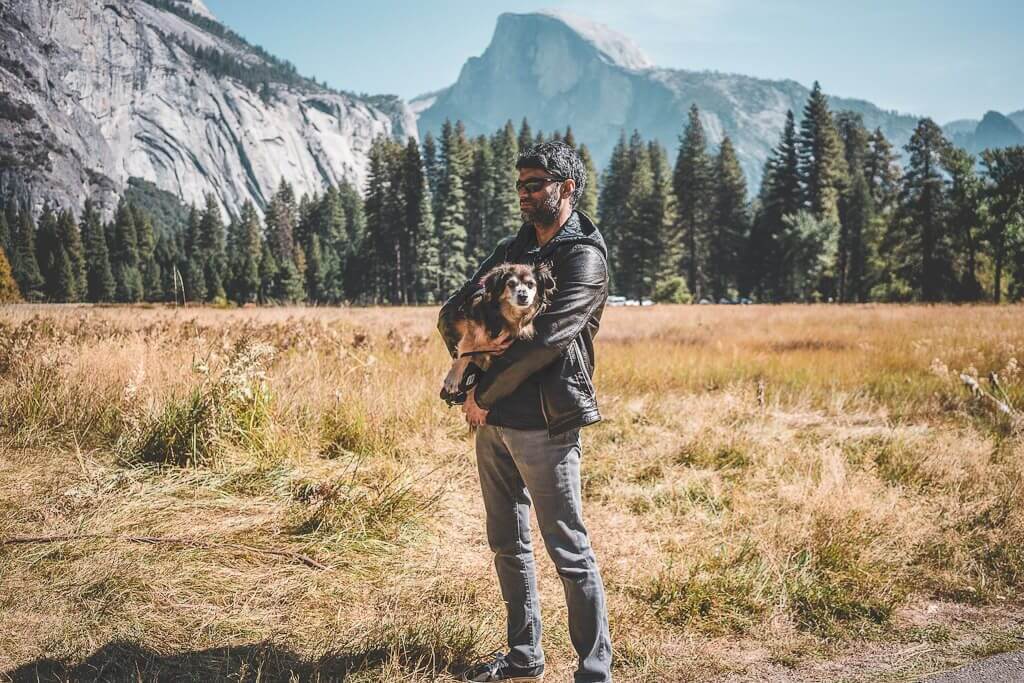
(475, 415)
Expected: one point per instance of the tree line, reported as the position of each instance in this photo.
(836, 219)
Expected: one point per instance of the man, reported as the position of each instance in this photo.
(529, 407)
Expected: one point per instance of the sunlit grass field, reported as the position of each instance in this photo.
(786, 493)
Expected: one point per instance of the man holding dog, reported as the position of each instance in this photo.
(529, 408)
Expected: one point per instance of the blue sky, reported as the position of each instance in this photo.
(947, 59)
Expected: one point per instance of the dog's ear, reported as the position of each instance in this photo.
(545, 283)
(494, 282)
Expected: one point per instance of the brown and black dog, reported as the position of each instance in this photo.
(513, 295)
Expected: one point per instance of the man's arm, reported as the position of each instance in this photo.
(580, 289)
(447, 314)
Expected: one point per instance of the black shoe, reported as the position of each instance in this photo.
(496, 668)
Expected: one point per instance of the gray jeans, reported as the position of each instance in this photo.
(516, 467)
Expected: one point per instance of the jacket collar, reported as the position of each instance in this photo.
(577, 229)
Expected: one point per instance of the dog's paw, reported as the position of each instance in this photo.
(451, 382)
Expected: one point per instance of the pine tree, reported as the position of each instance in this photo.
(281, 218)
(148, 267)
(211, 248)
(315, 281)
(780, 197)
(638, 236)
(504, 219)
(525, 136)
(193, 271)
(334, 244)
(26, 267)
(48, 255)
(245, 252)
(124, 256)
(452, 217)
(419, 238)
(480, 192)
(99, 276)
(268, 275)
(692, 183)
(966, 222)
(822, 164)
(431, 167)
(612, 203)
(881, 171)
(920, 243)
(588, 202)
(856, 215)
(660, 211)
(355, 227)
(729, 223)
(854, 212)
(569, 138)
(1004, 171)
(71, 239)
(9, 293)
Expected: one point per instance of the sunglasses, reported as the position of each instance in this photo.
(535, 184)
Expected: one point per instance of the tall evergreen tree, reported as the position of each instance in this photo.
(99, 276)
(452, 216)
(588, 202)
(881, 171)
(769, 256)
(612, 202)
(245, 252)
(419, 240)
(525, 136)
(26, 267)
(692, 183)
(124, 255)
(637, 253)
(193, 270)
(49, 256)
(505, 218)
(281, 219)
(921, 245)
(431, 165)
(822, 162)
(729, 223)
(480, 193)
(966, 221)
(1004, 171)
(854, 210)
(71, 238)
(211, 248)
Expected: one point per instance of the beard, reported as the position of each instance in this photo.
(542, 213)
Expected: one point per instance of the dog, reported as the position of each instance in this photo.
(513, 295)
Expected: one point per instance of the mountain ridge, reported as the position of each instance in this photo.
(93, 94)
(510, 80)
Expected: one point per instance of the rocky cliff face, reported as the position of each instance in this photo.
(92, 93)
(558, 71)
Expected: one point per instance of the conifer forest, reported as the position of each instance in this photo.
(841, 216)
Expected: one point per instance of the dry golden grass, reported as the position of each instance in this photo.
(795, 493)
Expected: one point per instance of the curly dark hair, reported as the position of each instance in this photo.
(558, 159)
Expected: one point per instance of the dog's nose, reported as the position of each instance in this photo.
(523, 298)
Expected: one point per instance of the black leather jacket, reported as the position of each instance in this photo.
(562, 351)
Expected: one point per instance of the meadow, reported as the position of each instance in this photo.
(776, 493)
